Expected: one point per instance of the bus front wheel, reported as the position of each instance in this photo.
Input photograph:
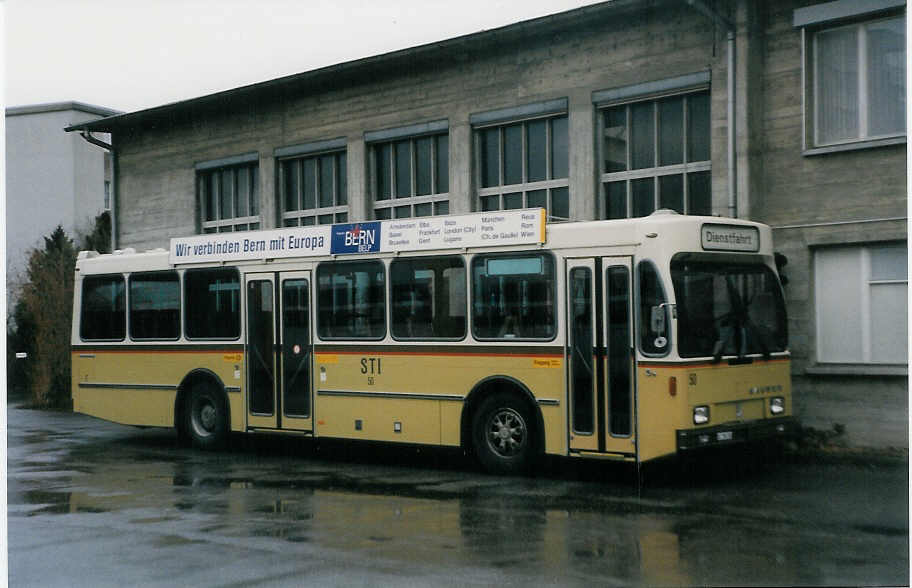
(502, 434)
(207, 417)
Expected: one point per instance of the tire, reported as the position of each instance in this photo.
(183, 426)
(503, 435)
(207, 417)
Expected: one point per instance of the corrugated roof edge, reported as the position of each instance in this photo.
(543, 23)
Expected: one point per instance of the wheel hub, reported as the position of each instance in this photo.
(507, 432)
(207, 417)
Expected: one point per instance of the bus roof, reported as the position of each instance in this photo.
(475, 232)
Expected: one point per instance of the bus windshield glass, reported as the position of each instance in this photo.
(728, 309)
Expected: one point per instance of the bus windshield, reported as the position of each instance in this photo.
(728, 309)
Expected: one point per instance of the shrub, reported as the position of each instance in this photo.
(42, 317)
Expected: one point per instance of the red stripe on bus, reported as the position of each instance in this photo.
(724, 363)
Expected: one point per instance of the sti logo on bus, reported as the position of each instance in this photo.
(356, 238)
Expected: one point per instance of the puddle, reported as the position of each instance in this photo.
(64, 502)
(175, 540)
(67, 509)
(153, 520)
(882, 530)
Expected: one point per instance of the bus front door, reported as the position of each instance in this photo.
(599, 347)
(278, 351)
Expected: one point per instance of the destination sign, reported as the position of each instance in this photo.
(485, 229)
(730, 238)
(504, 227)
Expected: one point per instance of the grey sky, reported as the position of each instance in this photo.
(131, 54)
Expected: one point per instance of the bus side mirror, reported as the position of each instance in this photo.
(657, 319)
(781, 262)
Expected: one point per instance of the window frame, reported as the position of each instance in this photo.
(180, 305)
(465, 280)
(82, 308)
(686, 169)
(384, 328)
(865, 284)
(640, 329)
(205, 173)
(338, 212)
(685, 267)
(386, 208)
(185, 293)
(555, 311)
(549, 185)
(810, 28)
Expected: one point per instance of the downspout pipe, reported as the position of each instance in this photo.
(729, 28)
(89, 138)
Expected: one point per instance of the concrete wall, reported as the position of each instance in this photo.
(820, 200)
(156, 165)
(52, 178)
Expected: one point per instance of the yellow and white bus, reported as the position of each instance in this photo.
(629, 339)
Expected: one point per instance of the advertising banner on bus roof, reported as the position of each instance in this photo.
(485, 229)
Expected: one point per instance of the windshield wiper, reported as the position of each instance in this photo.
(738, 319)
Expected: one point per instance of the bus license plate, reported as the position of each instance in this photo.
(724, 436)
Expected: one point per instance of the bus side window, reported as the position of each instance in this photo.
(351, 300)
(103, 316)
(513, 296)
(428, 298)
(212, 300)
(155, 305)
(652, 296)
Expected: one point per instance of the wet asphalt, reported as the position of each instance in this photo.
(92, 503)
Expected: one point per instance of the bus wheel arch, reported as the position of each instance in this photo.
(202, 413)
(499, 402)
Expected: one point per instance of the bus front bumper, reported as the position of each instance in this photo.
(735, 433)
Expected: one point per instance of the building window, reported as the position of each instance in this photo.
(656, 154)
(525, 165)
(411, 177)
(229, 198)
(862, 304)
(314, 189)
(107, 195)
(858, 82)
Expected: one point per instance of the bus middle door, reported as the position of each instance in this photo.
(279, 352)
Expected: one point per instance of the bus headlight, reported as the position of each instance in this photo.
(777, 405)
(701, 415)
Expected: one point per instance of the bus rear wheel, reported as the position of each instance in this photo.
(502, 435)
(207, 417)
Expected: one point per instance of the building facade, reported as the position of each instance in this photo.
(790, 113)
(51, 178)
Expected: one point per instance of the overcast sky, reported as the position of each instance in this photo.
(133, 54)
